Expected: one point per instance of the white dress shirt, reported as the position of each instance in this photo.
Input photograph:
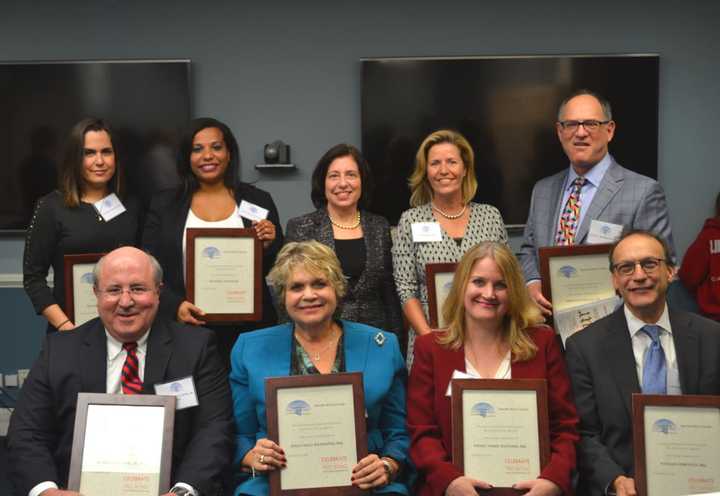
(641, 344)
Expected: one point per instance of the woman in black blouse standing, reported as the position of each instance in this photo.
(341, 186)
(209, 197)
(66, 222)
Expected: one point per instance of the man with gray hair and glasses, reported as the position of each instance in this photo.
(642, 347)
(594, 198)
(124, 351)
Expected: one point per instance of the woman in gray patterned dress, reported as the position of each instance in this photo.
(443, 185)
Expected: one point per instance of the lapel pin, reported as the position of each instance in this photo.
(380, 338)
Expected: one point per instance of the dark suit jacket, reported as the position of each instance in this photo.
(41, 428)
(163, 234)
(372, 300)
(623, 197)
(429, 411)
(604, 377)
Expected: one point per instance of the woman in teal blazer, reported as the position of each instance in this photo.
(308, 278)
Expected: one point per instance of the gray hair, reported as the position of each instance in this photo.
(604, 103)
(156, 270)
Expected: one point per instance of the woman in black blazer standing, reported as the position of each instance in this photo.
(65, 221)
(209, 196)
(341, 187)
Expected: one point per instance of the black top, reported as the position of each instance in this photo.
(56, 230)
(351, 253)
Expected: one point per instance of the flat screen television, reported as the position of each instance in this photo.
(146, 102)
(507, 108)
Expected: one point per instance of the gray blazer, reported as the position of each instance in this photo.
(372, 300)
(623, 197)
(603, 373)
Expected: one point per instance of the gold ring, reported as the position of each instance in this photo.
(262, 459)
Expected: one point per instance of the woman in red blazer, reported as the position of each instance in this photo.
(494, 332)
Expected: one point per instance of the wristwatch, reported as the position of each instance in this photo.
(181, 491)
(388, 469)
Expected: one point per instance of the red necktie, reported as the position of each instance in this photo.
(570, 216)
(130, 377)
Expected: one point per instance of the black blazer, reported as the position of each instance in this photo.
(372, 300)
(41, 428)
(604, 376)
(163, 234)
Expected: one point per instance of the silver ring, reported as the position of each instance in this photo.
(262, 459)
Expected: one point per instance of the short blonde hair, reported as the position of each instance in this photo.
(421, 192)
(312, 256)
(522, 312)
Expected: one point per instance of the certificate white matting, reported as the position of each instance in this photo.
(443, 284)
(682, 450)
(580, 280)
(122, 450)
(501, 439)
(225, 274)
(84, 301)
(316, 427)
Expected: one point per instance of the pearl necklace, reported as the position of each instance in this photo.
(346, 226)
(315, 355)
(449, 216)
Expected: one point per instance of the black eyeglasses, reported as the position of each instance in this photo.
(649, 265)
(590, 125)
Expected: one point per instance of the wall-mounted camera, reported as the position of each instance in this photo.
(277, 155)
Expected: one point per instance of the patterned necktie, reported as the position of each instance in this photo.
(654, 368)
(570, 215)
(130, 377)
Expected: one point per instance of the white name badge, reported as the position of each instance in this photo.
(423, 232)
(603, 232)
(252, 211)
(109, 207)
(183, 390)
(457, 375)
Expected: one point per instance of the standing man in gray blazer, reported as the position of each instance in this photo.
(611, 197)
(644, 346)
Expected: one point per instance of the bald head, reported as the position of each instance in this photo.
(133, 254)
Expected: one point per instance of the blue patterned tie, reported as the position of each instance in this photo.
(654, 368)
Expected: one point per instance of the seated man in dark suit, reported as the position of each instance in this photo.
(644, 346)
(125, 351)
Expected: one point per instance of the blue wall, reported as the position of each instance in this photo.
(290, 70)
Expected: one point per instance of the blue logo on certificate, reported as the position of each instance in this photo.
(483, 409)
(664, 426)
(298, 407)
(176, 387)
(211, 252)
(87, 278)
(568, 271)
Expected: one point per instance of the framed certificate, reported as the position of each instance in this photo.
(578, 282)
(319, 421)
(676, 444)
(500, 430)
(122, 445)
(80, 301)
(224, 273)
(439, 279)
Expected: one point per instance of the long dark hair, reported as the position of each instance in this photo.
(190, 183)
(71, 169)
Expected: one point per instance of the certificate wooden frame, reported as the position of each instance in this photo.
(639, 402)
(85, 400)
(539, 386)
(69, 263)
(192, 235)
(273, 384)
(432, 270)
(546, 253)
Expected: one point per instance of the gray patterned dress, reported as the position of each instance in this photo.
(410, 258)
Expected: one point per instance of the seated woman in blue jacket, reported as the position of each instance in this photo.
(308, 279)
